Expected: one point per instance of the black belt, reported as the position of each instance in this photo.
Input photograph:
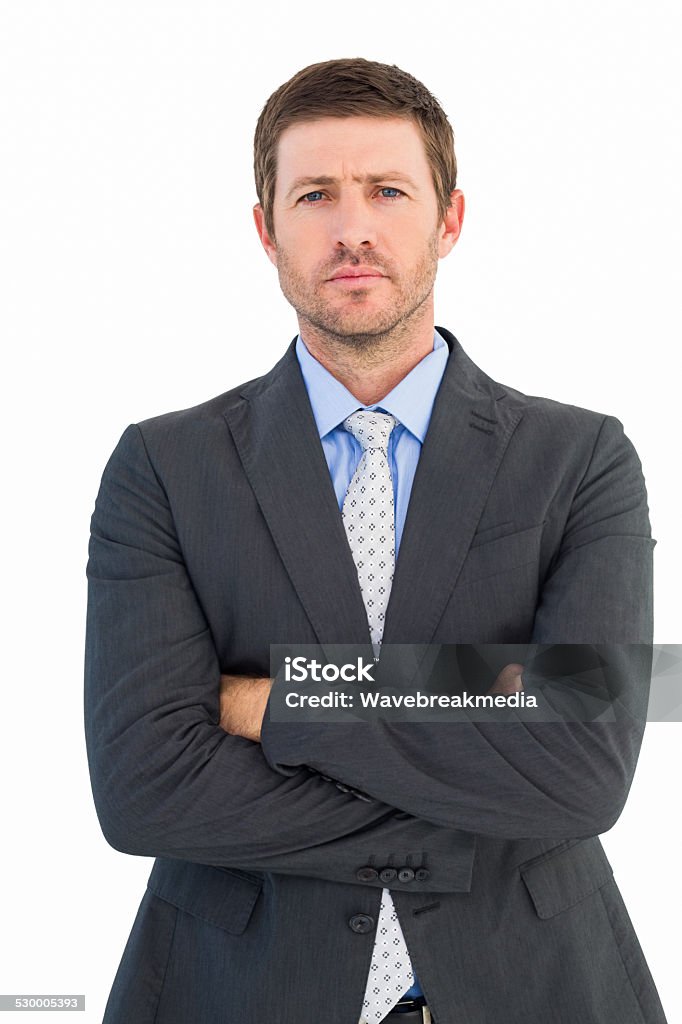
(410, 1011)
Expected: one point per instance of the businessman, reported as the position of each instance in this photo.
(374, 487)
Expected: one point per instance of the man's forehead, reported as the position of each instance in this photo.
(349, 139)
(355, 148)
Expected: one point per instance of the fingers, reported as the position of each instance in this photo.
(509, 680)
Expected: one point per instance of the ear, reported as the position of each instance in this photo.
(452, 223)
(267, 242)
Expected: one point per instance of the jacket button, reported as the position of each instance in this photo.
(421, 874)
(388, 874)
(405, 875)
(366, 874)
(361, 923)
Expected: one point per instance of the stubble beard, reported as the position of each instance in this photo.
(386, 327)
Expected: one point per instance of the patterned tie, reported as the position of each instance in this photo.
(368, 517)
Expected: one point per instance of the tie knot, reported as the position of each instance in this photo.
(372, 429)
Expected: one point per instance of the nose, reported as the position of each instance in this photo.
(353, 223)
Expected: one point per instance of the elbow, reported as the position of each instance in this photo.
(603, 813)
(122, 829)
(590, 793)
(601, 800)
(122, 844)
(596, 820)
(121, 838)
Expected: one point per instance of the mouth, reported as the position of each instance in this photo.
(356, 276)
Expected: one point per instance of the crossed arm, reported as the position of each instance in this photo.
(175, 762)
(553, 779)
(167, 779)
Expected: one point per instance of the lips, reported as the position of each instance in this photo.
(350, 272)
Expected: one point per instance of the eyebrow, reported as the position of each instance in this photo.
(366, 179)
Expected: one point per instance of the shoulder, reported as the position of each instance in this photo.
(561, 418)
(195, 417)
(586, 444)
(180, 437)
(538, 414)
(200, 423)
(552, 432)
(559, 428)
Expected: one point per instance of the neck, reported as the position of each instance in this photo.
(370, 366)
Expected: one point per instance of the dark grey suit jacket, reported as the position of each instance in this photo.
(216, 533)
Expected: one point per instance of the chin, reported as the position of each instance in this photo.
(366, 328)
(362, 319)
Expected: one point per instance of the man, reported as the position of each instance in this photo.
(374, 486)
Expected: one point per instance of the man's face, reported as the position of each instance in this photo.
(355, 195)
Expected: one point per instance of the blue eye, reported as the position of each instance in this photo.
(308, 195)
(390, 189)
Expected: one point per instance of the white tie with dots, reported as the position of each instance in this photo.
(369, 520)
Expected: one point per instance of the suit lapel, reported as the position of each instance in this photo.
(276, 436)
(468, 434)
(274, 430)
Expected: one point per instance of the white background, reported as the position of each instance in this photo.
(133, 283)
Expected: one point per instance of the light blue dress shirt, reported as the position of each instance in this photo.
(410, 401)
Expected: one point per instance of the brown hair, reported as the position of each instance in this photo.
(346, 88)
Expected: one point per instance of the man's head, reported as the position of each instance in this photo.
(355, 169)
(352, 88)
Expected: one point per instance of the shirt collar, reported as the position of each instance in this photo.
(410, 401)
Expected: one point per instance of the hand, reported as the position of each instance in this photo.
(509, 680)
(242, 705)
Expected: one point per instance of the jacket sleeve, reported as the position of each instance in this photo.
(524, 778)
(167, 780)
